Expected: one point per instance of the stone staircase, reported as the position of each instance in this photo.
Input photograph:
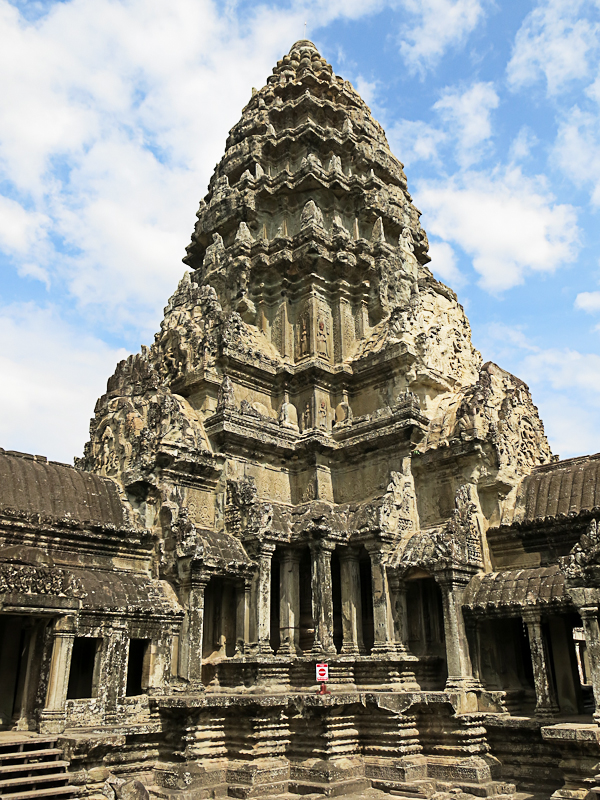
(33, 767)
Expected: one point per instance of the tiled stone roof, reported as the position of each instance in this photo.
(565, 488)
(32, 485)
(516, 588)
(126, 592)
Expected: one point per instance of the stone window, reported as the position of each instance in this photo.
(138, 667)
(85, 668)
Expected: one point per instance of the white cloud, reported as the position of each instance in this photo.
(435, 27)
(136, 100)
(507, 223)
(577, 149)
(588, 301)
(555, 42)
(20, 229)
(52, 374)
(466, 122)
(415, 141)
(366, 89)
(522, 144)
(564, 383)
(443, 263)
(467, 114)
(499, 333)
(565, 369)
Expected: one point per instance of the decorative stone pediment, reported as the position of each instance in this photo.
(582, 565)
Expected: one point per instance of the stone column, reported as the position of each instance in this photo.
(400, 613)
(260, 603)
(32, 676)
(112, 684)
(161, 649)
(242, 617)
(322, 600)
(352, 630)
(544, 690)
(382, 609)
(460, 675)
(53, 716)
(591, 628)
(289, 603)
(195, 627)
(472, 631)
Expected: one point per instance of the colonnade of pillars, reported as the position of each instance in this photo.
(547, 702)
(388, 612)
(322, 603)
(390, 617)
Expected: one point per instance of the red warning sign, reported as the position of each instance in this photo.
(322, 673)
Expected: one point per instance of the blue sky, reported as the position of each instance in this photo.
(114, 112)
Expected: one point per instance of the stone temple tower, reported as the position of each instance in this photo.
(316, 450)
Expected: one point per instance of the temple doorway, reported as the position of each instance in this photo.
(219, 636)
(21, 642)
(505, 661)
(571, 695)
(426, 637)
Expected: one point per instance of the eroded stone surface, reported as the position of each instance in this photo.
(310, 464)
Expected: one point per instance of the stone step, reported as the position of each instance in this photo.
(200, 792)
(245, 790)
(415, 790)
(60, 777)
(33, 794)
(7, 769)
(22, 754)
(27, 741)
(329, 789)
(491, 789)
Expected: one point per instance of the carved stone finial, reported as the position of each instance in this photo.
(243, 234)
(338, 228)
(226, 396)
(311, 215)
(378, 234)
(288, 416)
(335, 164)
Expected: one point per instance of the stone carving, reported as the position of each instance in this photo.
(584, 559)
(343, 414)
(322, 338)
(408, 399)
(322, 421)
(226, 397)
(306, 417)
(22, 579)
(462, 537)
(304, 336)
(457, 543)
(311, 215)
(253, 551)
(400, 501)
(288, 416)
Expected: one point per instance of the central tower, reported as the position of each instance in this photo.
(317, 450)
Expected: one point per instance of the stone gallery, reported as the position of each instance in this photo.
(310, 465)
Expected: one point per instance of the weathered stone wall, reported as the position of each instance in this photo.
(310, 463)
